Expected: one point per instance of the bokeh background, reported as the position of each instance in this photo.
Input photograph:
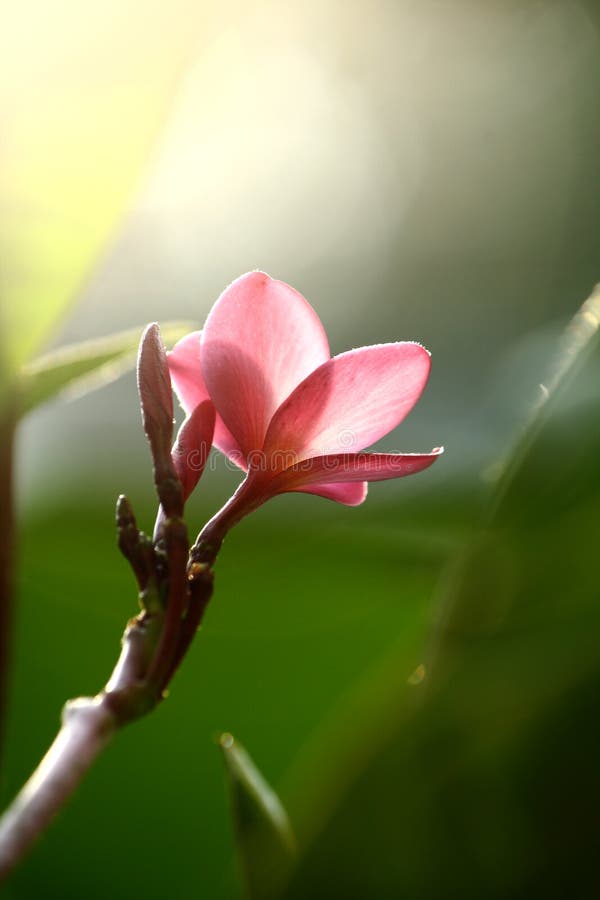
(418, 170)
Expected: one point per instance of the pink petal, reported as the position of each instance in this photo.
(188, 383)
(261, 339)
(350, 494)
(348, 467)
(192, 446)
(350, 401)
(186, 371)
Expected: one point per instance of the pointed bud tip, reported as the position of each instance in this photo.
(150, 342)
(156, 400)
(124, 510)
(151, 329)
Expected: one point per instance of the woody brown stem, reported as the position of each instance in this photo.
(175, 593)
(175, 539)
(200, 588)
(88, 725)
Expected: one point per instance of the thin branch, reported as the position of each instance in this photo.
(200, 578)
(174, 535)
(88, 725)
(150, 655)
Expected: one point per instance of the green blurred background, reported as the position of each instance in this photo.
(418, 170)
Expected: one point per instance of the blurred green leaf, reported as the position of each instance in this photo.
(579, 345)
(85, 88)
(83, 367)
(264, 837)
(480, 777)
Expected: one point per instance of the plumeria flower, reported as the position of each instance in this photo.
(287, 414)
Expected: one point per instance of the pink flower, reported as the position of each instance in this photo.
(287, 413)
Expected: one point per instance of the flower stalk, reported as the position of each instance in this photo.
(208, 543)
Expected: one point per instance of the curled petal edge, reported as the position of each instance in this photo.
(192, 446)
(354, 467)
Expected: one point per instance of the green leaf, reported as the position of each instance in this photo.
(264, 837)
(79, 368)
(85, 90)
